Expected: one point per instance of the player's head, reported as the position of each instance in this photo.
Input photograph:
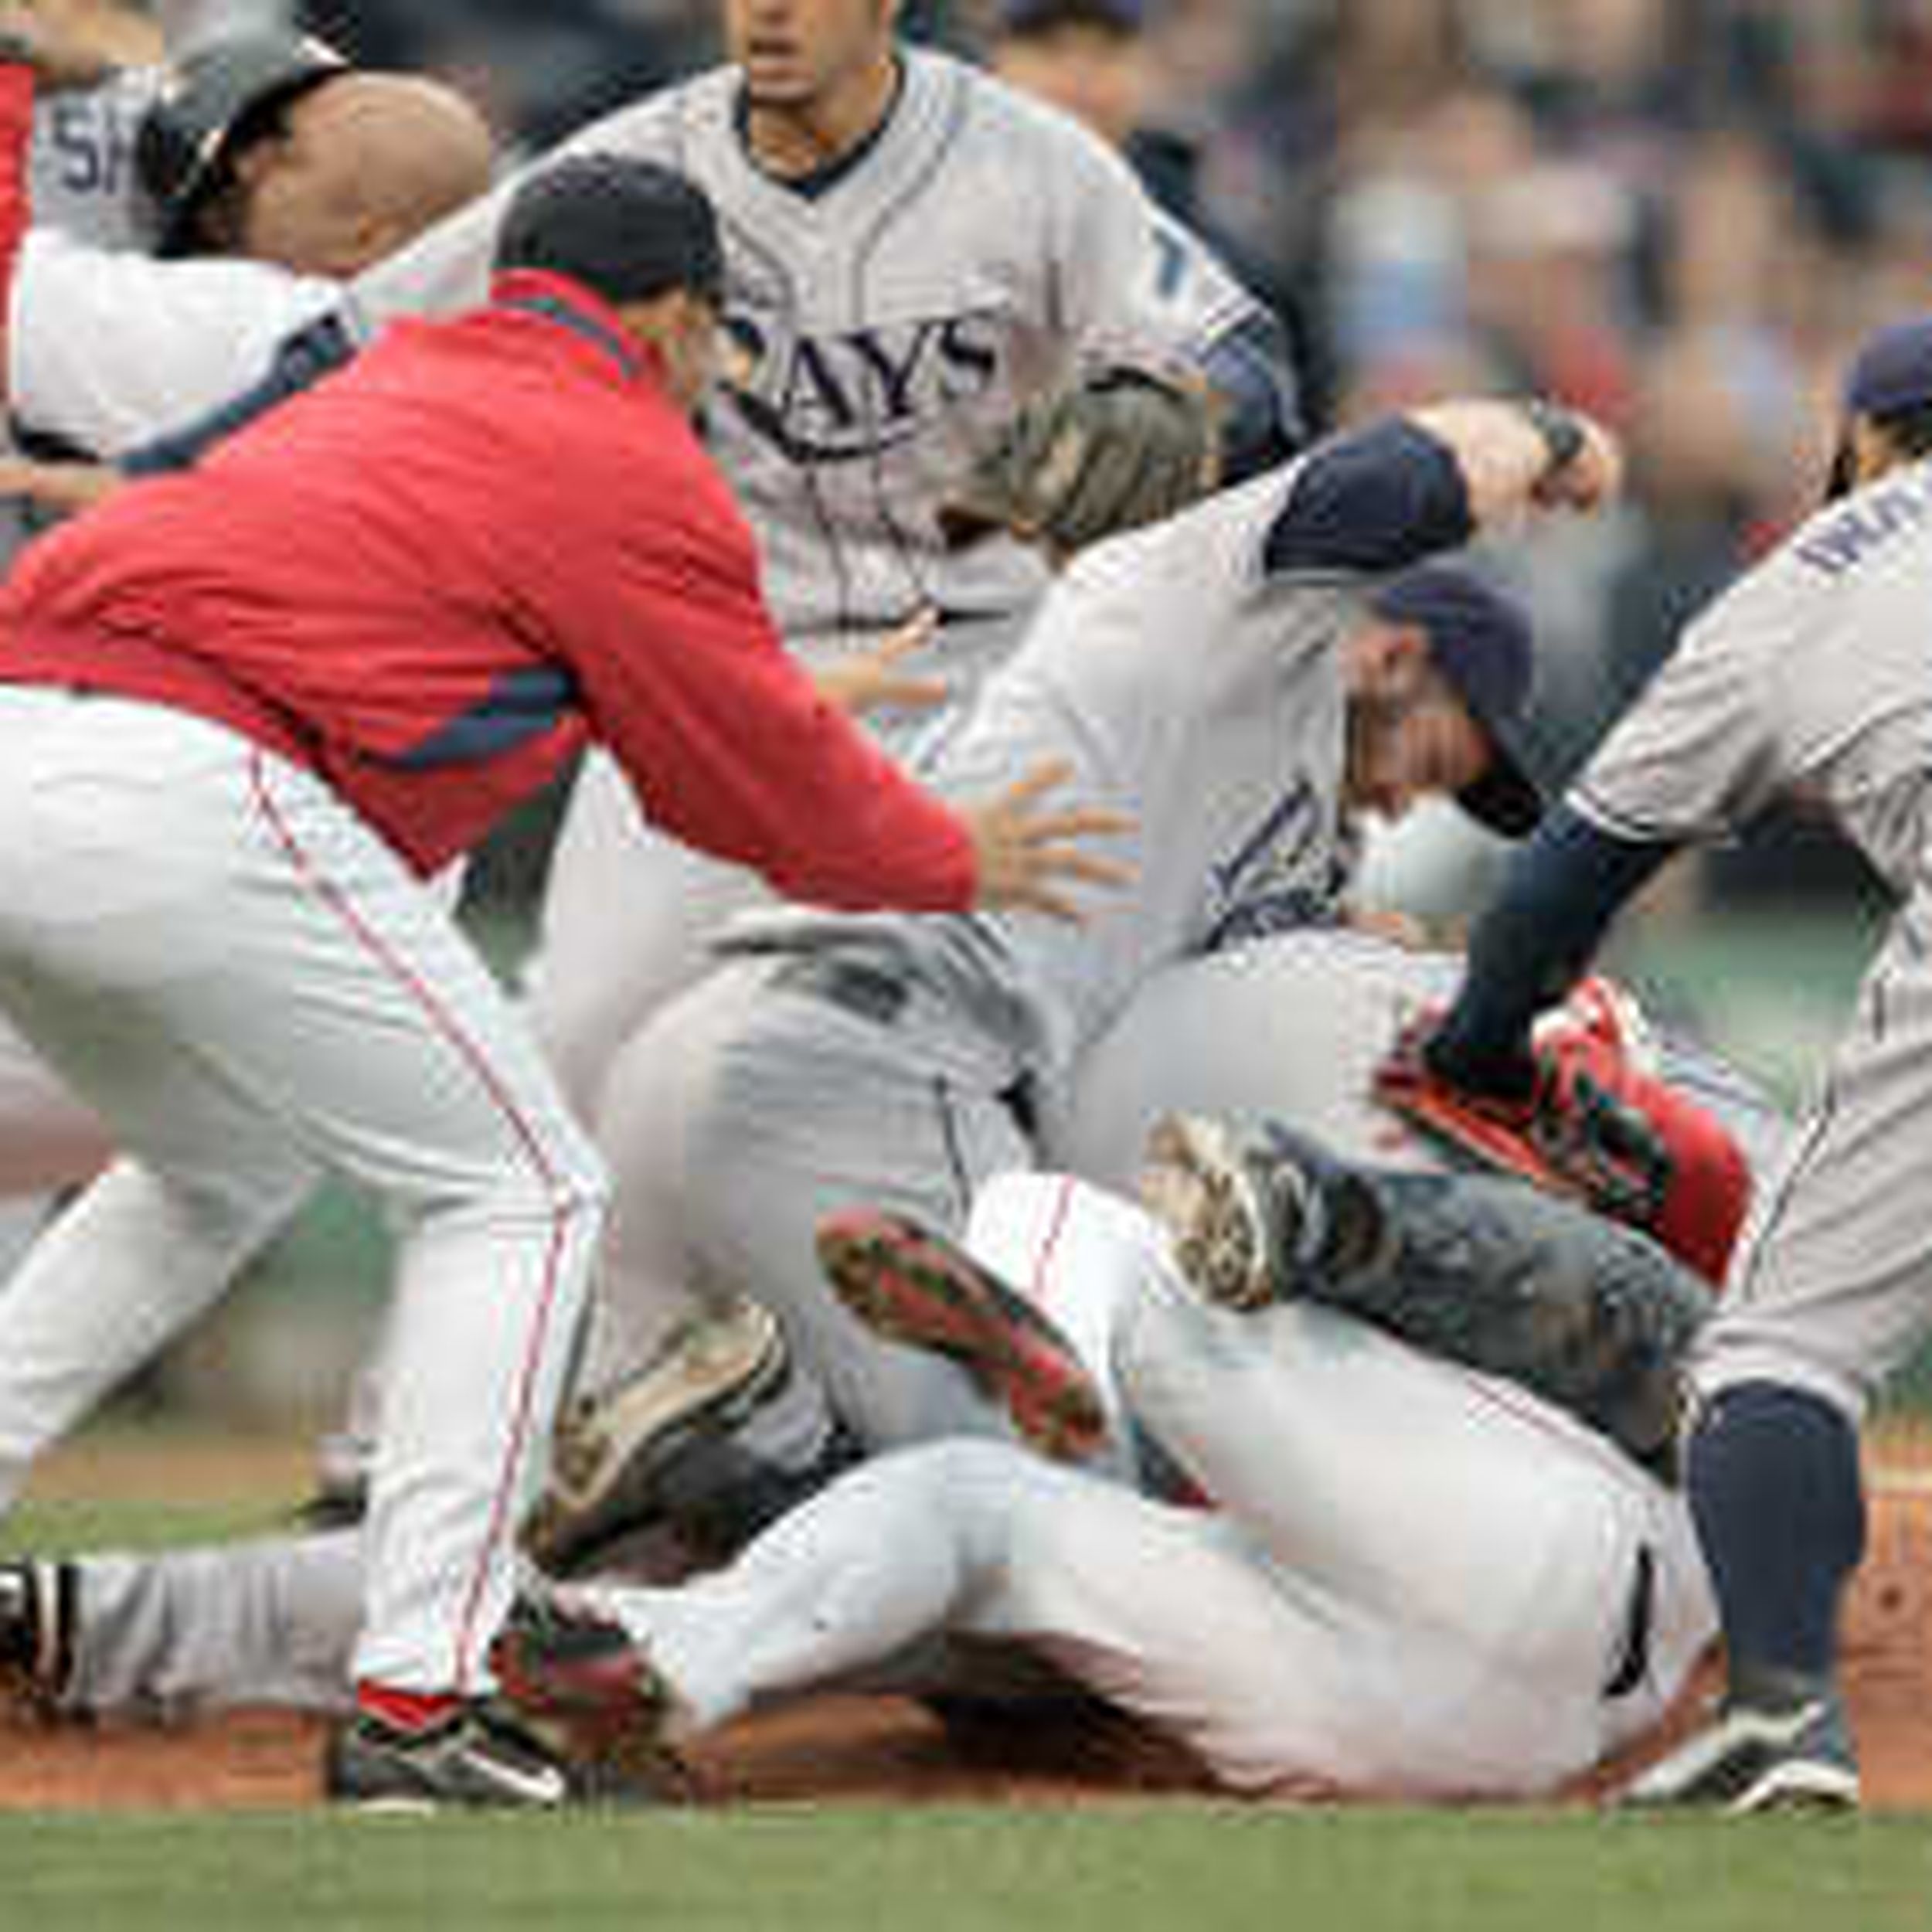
(271, 146)
(1439, 675)
(800, 57)
(1088, 57)
(643, 237)
(1886, 412)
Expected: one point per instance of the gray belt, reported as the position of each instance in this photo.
(880, 994)
(860, 986)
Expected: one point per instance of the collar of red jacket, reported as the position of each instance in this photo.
(570, 305)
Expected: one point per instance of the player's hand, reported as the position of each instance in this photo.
(77, 43)
(1027, 853)
(873, 680)
(63, 487)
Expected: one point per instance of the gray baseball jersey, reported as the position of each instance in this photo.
(80, 174)
(1810, 678)
(981, 247)
(1201, 693)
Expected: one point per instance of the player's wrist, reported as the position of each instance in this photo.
(1558, 428)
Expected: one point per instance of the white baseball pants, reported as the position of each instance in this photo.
(248, 988)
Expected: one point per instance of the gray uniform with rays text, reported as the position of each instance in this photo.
(891, 315)
(1812, 679)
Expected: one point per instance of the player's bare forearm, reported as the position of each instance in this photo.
(1517, 455)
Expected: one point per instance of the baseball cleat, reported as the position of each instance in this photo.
(912, 1286)
(576, 1676)
(1752, 1759)
(1229, 1211)
(479, 1757)
(39, 1615)
(615, 1451)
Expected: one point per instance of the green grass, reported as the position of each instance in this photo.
(1172, 1865)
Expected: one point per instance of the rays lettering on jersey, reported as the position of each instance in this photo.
(1269, 886)
(840, 398)
(1868, 523)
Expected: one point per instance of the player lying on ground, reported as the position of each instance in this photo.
(1417, 1580)
(271, 1622)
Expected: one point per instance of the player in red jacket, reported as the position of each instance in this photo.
(245, 711)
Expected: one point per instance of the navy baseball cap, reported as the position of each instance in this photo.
(1892, 370)
(628, 230)
(1480, 641)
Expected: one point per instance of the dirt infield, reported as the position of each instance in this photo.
(850, 1749)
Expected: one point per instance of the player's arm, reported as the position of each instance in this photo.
(1380, 498)
(1695, 754)
(1535, 939)
(1137, 289)
(1239, 347)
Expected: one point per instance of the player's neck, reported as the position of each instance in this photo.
(794, 140)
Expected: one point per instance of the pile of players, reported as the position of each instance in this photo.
(847, 380)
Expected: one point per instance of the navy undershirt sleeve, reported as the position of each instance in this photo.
(1373, 500)
(1252, 368)
(1532, 943)
(300, 361)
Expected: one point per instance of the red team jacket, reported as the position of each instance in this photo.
(433, 577)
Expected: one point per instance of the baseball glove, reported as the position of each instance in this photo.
(1118, 448)
(1572, 1135)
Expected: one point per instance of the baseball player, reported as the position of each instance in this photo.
(1806, 678)
(921, 1536)
(107, 346)
(1417, 1582)
(277, 171)
(1420, 1582)
(1240, 679)
(229, 769)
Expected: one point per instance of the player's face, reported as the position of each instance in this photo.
(1409, 738)
(796, 54)
(300, 199)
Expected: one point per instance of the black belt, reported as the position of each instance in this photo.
(880, 994)
(1631, 1668)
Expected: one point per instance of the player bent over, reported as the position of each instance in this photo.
(245, 712)
(1417, 1581)
(1808, 677)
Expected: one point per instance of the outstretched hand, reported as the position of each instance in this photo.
(876, 679)
(1024, 851)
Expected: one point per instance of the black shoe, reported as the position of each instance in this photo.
(479, 1757)
(1794, 1755)
(39, 1616)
